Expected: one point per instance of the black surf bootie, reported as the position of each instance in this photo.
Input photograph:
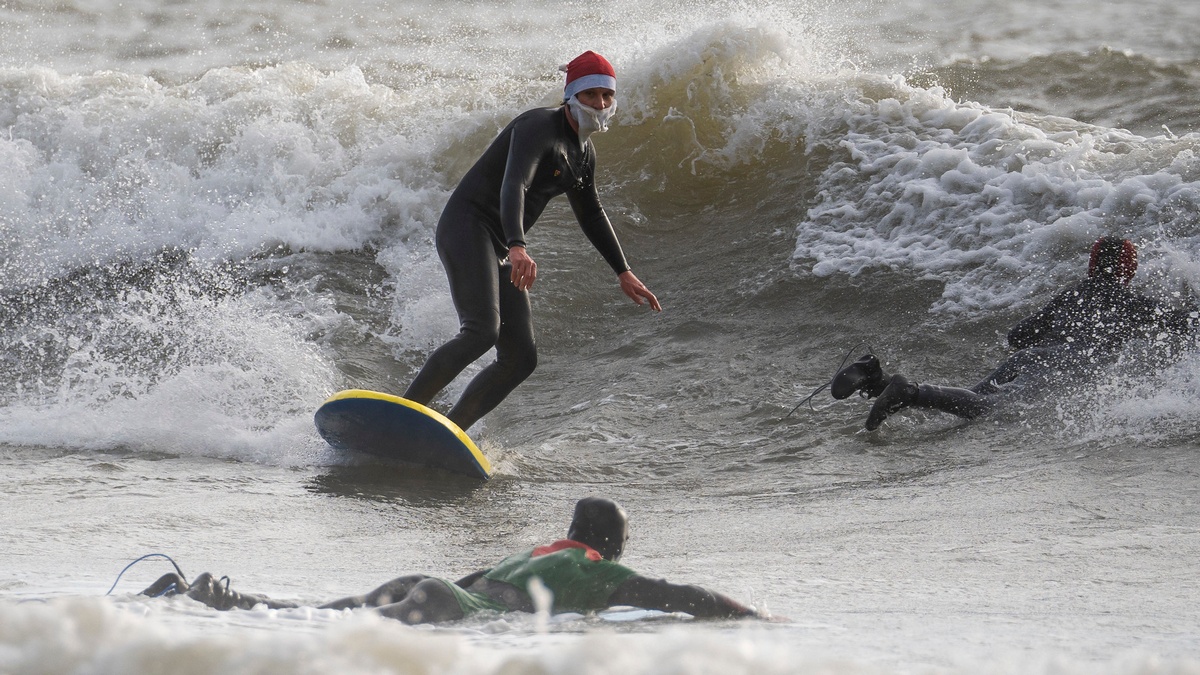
(897, 395)
(864, 375)
(217, 594)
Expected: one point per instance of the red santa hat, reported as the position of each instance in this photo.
(588, 70)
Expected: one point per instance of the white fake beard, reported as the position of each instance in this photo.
(589, 119)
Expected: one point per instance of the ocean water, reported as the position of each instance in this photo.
(215, 214)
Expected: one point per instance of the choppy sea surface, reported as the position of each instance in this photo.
(215, 214)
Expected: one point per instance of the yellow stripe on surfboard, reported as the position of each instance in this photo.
(458, 433)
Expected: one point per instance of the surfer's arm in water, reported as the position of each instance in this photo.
(646, 593)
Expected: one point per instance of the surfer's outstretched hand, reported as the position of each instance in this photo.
(637, 291)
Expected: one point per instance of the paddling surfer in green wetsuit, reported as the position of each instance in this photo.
(480, 238)
(581, 572)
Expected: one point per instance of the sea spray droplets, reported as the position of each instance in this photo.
(164, 356)
(108, 165)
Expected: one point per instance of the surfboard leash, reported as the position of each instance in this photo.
(821, 388)
(147, 556)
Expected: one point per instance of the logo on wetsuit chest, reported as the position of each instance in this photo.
(581, 174)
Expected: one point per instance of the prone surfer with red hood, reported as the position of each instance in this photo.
(1080, 329)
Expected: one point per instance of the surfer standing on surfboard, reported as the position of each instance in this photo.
(1081, 329)
(480, 238)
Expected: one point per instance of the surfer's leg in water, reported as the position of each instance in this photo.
(473, 270)
(900, 393)
(516, 357)
(865, 375)
(389, 593)
(430, 601)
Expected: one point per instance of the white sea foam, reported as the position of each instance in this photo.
(110, 165)
(998, 205)
(74, 635)
(176, 377)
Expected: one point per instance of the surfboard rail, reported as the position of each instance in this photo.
(395, 427)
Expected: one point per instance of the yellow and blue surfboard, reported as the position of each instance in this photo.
(399, 429)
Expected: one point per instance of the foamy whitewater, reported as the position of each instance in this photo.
(215, 214)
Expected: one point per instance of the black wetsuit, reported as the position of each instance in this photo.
(1080, 330)
(538, 156)
(1099, 314)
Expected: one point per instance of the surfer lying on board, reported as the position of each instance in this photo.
(480, 238)
(581, 573)
(1080, 330)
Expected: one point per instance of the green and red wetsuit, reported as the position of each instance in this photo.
(583, 581)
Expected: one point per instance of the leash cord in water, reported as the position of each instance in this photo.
(821, 388)
(148, 555)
